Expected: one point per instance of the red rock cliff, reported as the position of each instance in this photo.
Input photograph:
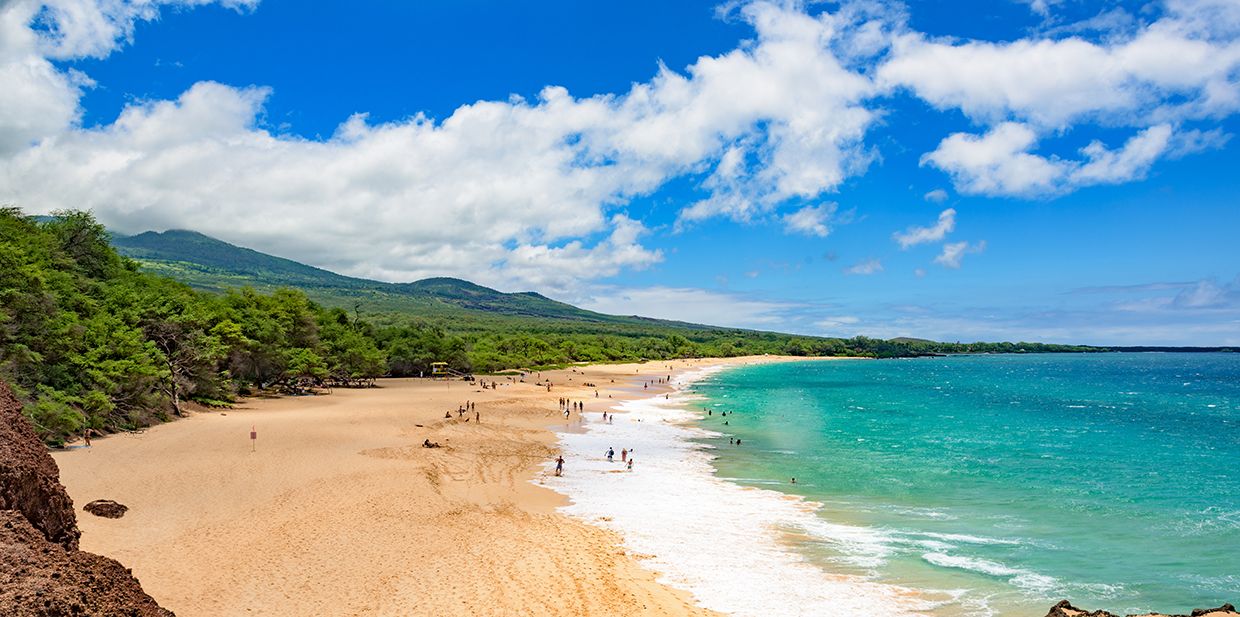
(42, 572)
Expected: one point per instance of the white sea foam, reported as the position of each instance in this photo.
(1025, 579)
(968, 539)
(718, 540)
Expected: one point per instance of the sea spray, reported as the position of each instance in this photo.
(718, 540)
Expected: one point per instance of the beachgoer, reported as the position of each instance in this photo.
(624, 454)
(630, 464)
(738, 442)
(732, 440)
(477, 417)
(610, 455)
(559, 465)
(794, 480)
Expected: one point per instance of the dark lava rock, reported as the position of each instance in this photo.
(1065, 609)
(42, 572)
(106, 508)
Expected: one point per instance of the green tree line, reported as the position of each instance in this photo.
(91, 341)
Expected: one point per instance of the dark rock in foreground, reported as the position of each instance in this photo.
(42, 572)
(1064, 609)
(106, 508)
(29, 478)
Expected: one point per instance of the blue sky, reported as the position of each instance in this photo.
(752, 164)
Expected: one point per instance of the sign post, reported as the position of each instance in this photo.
(253, 439)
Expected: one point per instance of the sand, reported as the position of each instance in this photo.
(338, 510)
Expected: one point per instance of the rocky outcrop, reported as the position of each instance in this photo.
(42, 572)
(1064, 609)
(29, 478)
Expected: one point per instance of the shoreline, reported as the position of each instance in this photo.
(340, 511)
(705, 535)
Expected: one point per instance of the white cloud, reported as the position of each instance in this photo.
(40, 100)
(922, 235)
(1041, 7)
(522, 192)
(1182, 66)
(1208, 293)
(937, 196)
(954, 252)
(94, 29)
(812, 220)
(1178, 67)
(686, 304)
(1001, 162)
(865, 267)
(1132, 161)
(997, 163)
(507, 193)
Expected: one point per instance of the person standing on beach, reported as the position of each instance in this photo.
(611, 454)
(624, 454)
(559, 465)
(630, 465)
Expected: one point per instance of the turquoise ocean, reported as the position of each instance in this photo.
(1003, 482)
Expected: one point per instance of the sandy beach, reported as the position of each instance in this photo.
(339, 510)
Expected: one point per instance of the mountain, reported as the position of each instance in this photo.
(214, 265)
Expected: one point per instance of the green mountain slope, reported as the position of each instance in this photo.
(213, 265)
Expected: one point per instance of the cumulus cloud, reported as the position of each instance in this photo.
(1178, 67)
(922, 235)
(532, 192)
(504, 192)
(812, 220)
(865, 267)
(41, 100)
(1000, 162)
(954, 252)
(937, 196)
(997, 163)
(1181, 67)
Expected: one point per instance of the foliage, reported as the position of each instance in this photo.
(95, 340)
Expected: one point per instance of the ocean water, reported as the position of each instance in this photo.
(1006, 482)
(982, 485)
